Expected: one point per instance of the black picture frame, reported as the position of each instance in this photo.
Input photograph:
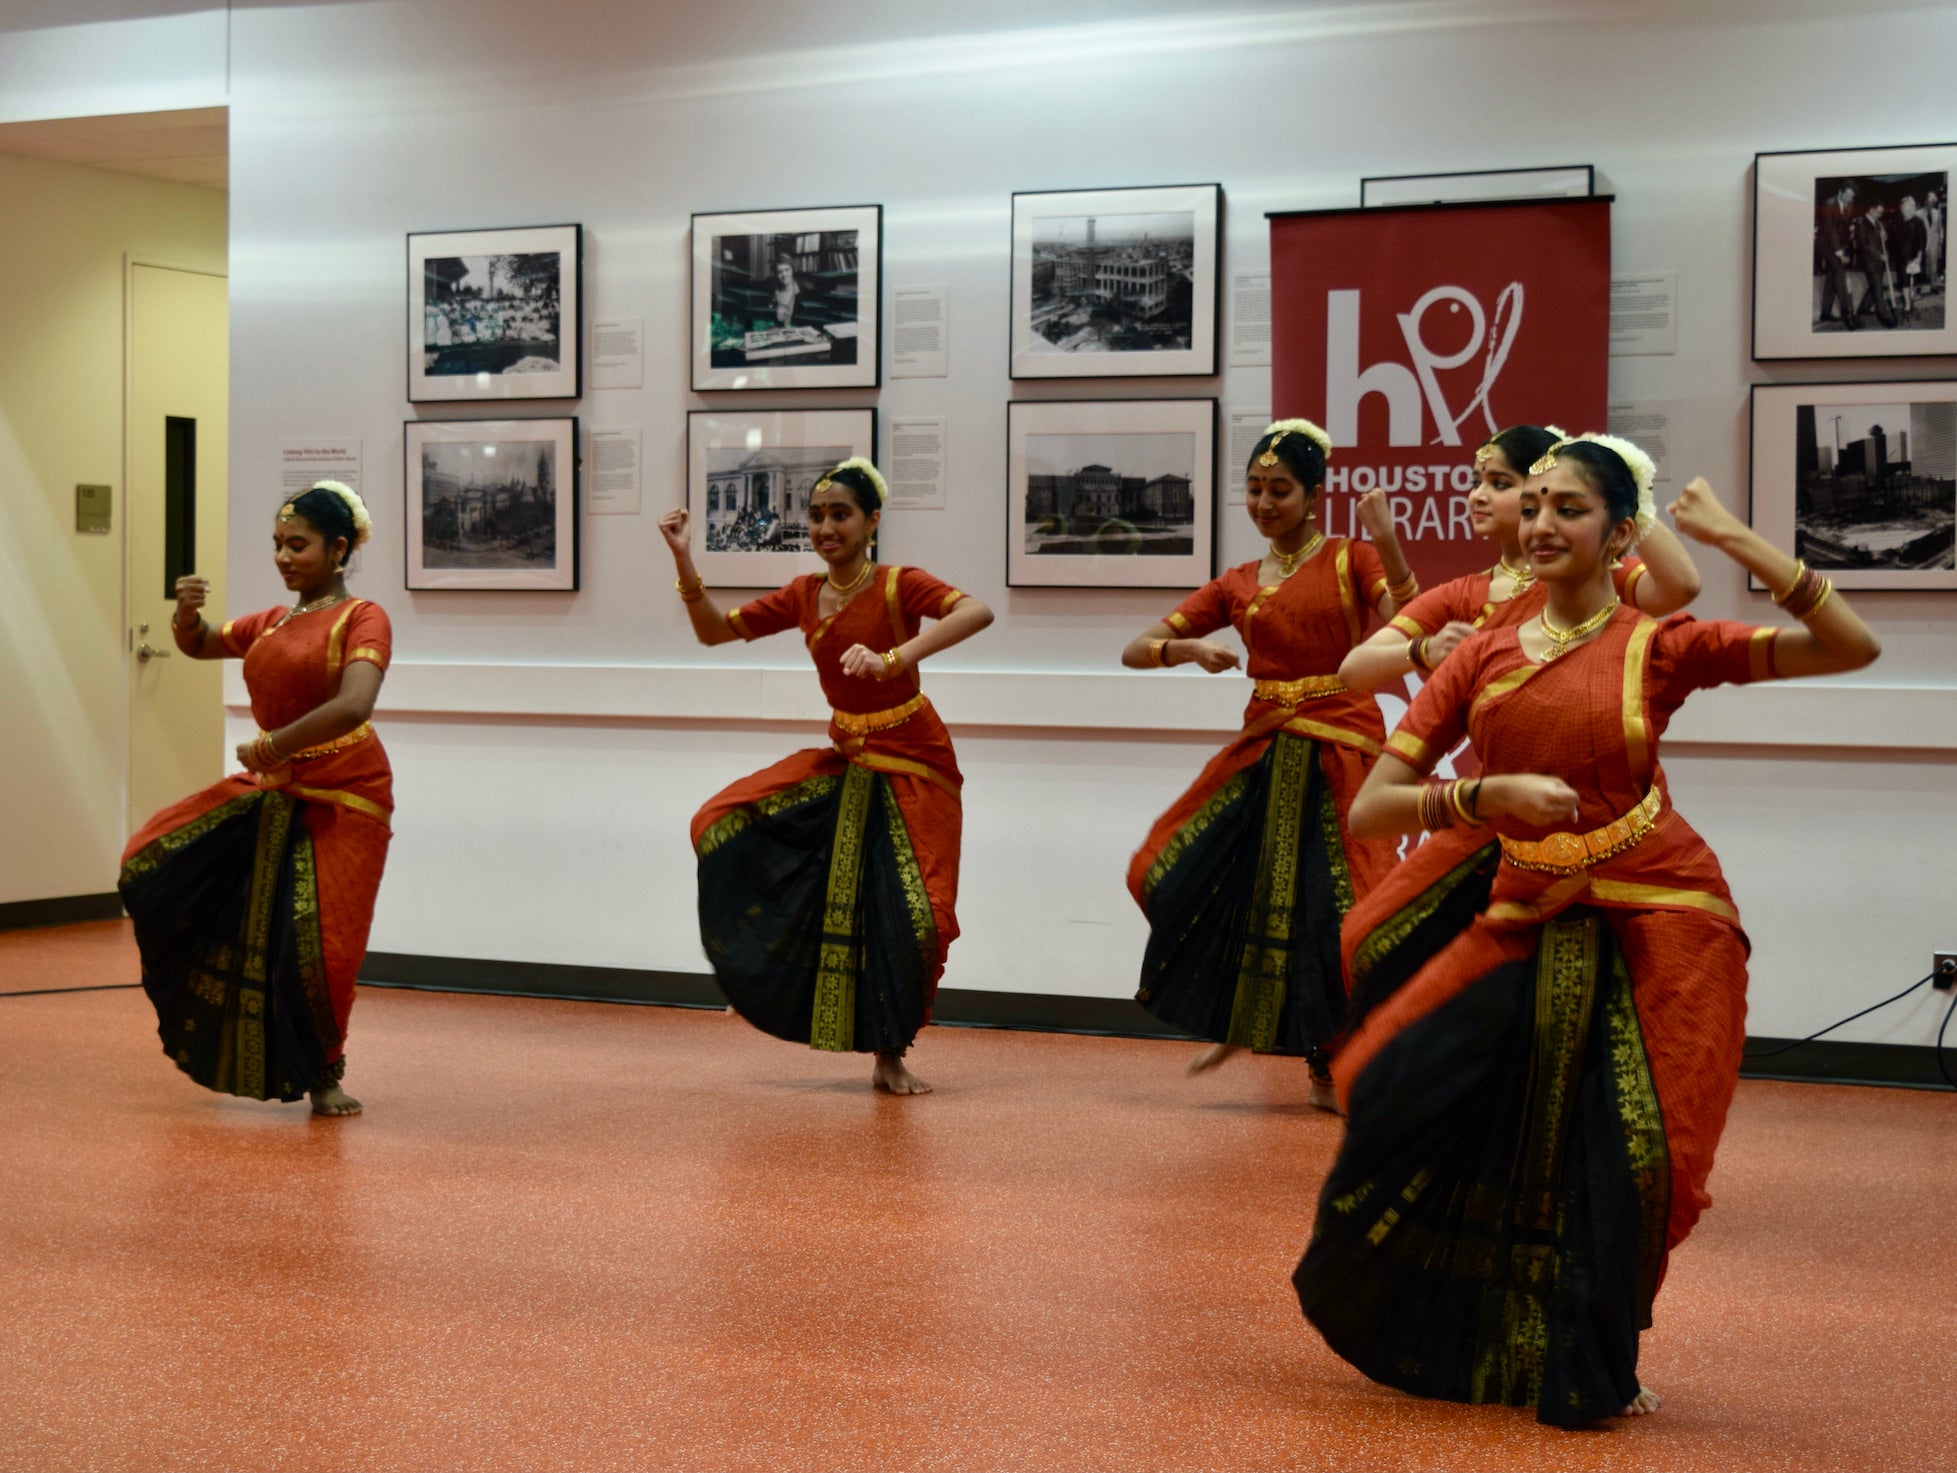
(1106, 545)
(1056, 235)
(782, 452)
(1815, 258)
(488, 341)
(479, 529)
(749, 330)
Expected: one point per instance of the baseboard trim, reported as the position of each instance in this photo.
(1823, 1062)
(63, 910)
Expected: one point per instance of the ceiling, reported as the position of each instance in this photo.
(187, 147)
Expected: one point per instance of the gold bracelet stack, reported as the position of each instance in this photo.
(1158, 653)
(892, 663)
(1444, 803)
(267, 754)
(691, 592)
(1405, 591)
(1804, 597)
(1417, 653)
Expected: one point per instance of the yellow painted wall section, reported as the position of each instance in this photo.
(63, 730)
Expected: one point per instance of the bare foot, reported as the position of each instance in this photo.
(330, 1099)
(1643, 1404)
(892, 1077)
(1210, 1057)
(1324, 1097)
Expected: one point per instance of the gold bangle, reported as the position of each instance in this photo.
(1417, 653)
(1158, 653)
(1800, 572)
(693, 593)
(1405, 590)
(892, 662)
(1827, 591)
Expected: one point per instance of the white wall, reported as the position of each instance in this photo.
(543, 809)
(94, 58)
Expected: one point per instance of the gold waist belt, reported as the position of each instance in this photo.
(339, 744)
(1565, 854)
(853, 723)
(1296, 692)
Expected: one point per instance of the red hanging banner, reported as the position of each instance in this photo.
(1413, 334)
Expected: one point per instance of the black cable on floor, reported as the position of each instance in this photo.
(1844, 1022)
(49, 991)
(1940, 1028)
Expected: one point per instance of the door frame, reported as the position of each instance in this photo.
(130, 261)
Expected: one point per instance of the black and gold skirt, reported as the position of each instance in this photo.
(1493, 1229)
(226, 912)
(814, 916)
(1243, 907)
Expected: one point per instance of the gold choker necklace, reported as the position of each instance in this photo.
(1522, 577)
(318, 603)
(1287, 562)
(1561, 639)
(846, 589)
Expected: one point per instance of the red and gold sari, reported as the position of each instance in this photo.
(1245, 878)
(1533, 1110)
(253, 898)
(829, 881)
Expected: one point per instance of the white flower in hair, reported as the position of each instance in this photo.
(1303, 427)
(1556, 432)
(1644, 474)
(363, 524)
(858, 463)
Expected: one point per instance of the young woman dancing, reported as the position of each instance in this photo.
(1533, 1112)
(828, 881)
(1432, 894)
(1245, 878)
(252, 899)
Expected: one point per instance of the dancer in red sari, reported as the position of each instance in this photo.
(1443, 882)
(1533, 1112)
(1245, 878)
(252, 899)
(828, 882)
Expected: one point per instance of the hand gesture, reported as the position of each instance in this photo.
(192, 591)
(1446, 640)
(248, 757)
(1698, 514)
(1543, 801)
(865, 663)
(1376, 513)
(673, 527)
(1213, 657)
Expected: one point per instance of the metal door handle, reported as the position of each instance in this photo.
(146, 654)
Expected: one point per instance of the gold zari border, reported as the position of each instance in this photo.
(1295, 692)
(862, 723)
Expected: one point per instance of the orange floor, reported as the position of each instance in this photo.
(573, 1235)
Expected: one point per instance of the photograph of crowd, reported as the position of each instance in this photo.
(495, 314)
(1880, 252)
(1114, 283)
(786, 298)
(758, 500)
(1110, 495)
(1876, 485)
(489, 504)
(491, 314)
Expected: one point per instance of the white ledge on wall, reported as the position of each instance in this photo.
(1808, 714)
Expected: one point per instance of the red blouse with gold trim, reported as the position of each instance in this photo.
(1593, 718)
(1465, 600)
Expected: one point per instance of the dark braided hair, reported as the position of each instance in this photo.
(327, 513)
(1521, 445)
(1603, 470)
(1299, 453)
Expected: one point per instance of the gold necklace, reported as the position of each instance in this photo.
(318, 603)
(844, 590)
(1522, 577)
(1287, 562)
(1561, 639)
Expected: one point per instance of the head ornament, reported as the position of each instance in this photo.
(1278, 429)
(1644, 471)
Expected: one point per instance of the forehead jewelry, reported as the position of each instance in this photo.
(1546, 462)
(822, 485)
(1269, 457)
(1484, 455)
(288, 512)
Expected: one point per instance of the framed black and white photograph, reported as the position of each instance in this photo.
(1565, 181)
(1860, 480)
(1107, 493)
(1116, 283)
(495, 314)
(492, 504)
(1851, 253)
(788, 299)
(749, 473)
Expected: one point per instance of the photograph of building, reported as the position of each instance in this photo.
(1877, 485)
(489, 505)
(758, 500)
(491, 314)
(1113, 283)
(1095, 495)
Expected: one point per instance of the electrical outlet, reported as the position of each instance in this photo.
(1943, 967)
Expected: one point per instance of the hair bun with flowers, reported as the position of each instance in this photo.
(866, 472)
(363, 524)
(1644, 474)
(1318, 437)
